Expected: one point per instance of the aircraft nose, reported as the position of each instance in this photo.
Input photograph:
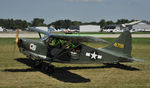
(19, 42)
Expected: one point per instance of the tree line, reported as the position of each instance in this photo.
(23, 24)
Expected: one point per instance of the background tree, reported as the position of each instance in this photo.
(62, 24)
(76, 23)
(122, 21)
(102, 23)
(13, 24)
(38, 22)
(110, 23)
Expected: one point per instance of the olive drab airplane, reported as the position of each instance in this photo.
(70, 49)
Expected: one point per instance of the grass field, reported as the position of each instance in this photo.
(14, 74)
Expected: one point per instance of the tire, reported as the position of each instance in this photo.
(37, 63)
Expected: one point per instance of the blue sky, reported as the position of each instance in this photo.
(80, 10)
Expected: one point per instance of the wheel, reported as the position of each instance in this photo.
(37, 63)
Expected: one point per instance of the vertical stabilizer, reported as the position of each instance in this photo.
(123, 44)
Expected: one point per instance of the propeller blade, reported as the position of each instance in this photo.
(16, 41)
(17, 35)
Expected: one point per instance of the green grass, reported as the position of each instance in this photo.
(23, 76)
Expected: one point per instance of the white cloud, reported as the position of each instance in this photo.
(86, 0)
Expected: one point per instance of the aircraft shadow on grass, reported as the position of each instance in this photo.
(62, 73)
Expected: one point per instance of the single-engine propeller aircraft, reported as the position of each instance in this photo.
(70, 49)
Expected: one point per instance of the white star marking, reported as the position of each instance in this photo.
(93, 56)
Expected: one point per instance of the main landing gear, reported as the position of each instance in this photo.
(43, 66)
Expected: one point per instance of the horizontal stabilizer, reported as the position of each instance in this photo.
(138, 60)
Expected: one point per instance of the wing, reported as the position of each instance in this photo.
(38, 30)
(79, 38)
(69, 37)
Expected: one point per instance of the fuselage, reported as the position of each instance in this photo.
(67, 52)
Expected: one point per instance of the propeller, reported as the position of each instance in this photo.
(16, 41)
